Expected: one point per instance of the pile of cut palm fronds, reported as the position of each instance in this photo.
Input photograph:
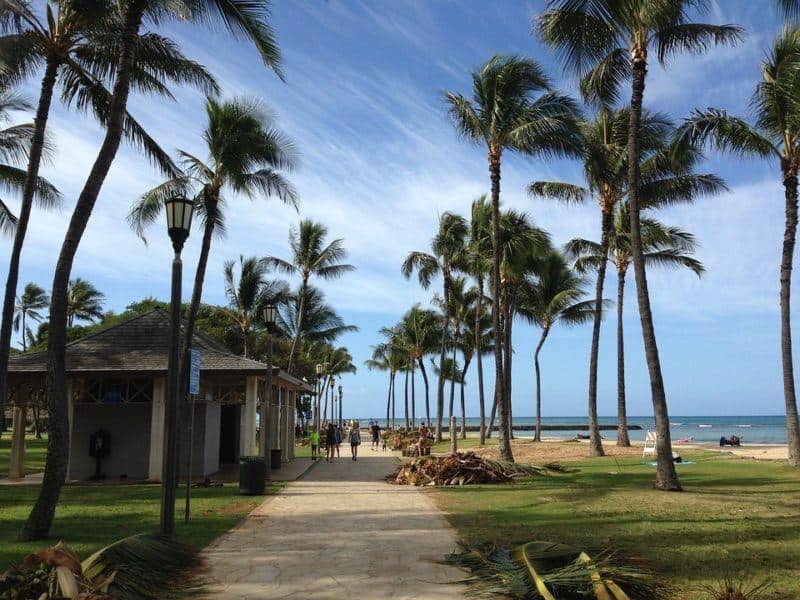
(139, 567)
(551, 571)
(463, 468)
(401, 438)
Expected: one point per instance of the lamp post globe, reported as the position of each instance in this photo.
(179, 211)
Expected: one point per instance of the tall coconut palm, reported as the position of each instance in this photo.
(479, 265)
(458, 311)
(607, 42)
(15, 145)
(773, 134)
(338, 361)
(78, 45)
(246, 156)
(379, 361)
(512, 108)
(84, 301)
(553, 295)
(420, 334)
(32, 300)
(320, 321)
(668, 177)
(242, 18)
(663, 246)
(251, 293)
(310, 256)
(445, 258)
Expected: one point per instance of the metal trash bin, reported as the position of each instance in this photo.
(252, 471)
(275, 459)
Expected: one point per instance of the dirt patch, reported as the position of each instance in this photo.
(526, 451)
(241, 506)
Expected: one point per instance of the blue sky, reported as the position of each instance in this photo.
(380, 162)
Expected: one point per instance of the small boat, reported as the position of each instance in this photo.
(744, 425)
(705, 426)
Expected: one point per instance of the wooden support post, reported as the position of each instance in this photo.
(16, 469)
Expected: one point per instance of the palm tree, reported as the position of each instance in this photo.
(419, 329)
(246, 153)
(84, 301)
(242, 18)
(663, 246)
(447, 254)
(479, 265)
(310, 256)
(608, 43)
(551, 296)
(512, 109)
(667, 177)
(15, 144)
(320, 321)
(379, 361)
(251, 293)
(476, 340)
(78, 44)
(774, 133)
(32, 300)
(338, 361)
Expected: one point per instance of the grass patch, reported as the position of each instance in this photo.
(89, 517)
(735, 517)
(35, 451)
(467, 444)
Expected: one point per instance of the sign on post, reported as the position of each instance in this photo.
(194, 371)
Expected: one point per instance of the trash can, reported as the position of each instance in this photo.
(252, 471)
(275, 462)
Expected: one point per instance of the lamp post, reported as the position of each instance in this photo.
(317, 403)
(266, 451)
(331, 384)
(341, 395)
(179, 220)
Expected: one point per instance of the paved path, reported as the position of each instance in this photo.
(339, 532)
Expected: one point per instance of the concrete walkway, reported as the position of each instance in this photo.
(339, 532)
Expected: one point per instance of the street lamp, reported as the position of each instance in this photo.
(266, 449)
(317, 402)
(179, 221)
(341, 394)
(331, 383)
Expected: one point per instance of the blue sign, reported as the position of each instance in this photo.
(194, 371)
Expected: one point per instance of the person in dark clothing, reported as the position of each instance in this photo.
(330, 441)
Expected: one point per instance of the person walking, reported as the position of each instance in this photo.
(355, 440)
(338, 438)
(330, 442)
(313, 439)
(375, 430)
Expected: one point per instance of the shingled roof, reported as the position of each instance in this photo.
(140, 345)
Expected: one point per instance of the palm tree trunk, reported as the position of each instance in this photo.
(595, 441)
(492, 415)
(211, 202)
(538, 435)
(790, 231)
(413, 393)
(37, 430)
(442, 354)
(508, 348)
(427, 400)
(31, 178)
(499, 396)
(389, 402)
(299, 323)
(245, 334)
(479, 351)
(453, 377)
(408, 426)
(622, 413)
(666, 475)
(55, 472)
(463, 403)
(24, 343)
(394, 400)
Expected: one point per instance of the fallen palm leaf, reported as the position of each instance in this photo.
(463, 468)
(552, 571)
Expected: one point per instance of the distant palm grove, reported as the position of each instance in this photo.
(489, 267)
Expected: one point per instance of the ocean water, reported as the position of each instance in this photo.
(751, 429)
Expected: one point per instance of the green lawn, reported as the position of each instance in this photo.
(35, 451)
(89, 517)
(467, 444)
(735, 517)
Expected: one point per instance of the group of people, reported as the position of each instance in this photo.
(333, 433)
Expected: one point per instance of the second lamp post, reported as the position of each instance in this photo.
(266, 449)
